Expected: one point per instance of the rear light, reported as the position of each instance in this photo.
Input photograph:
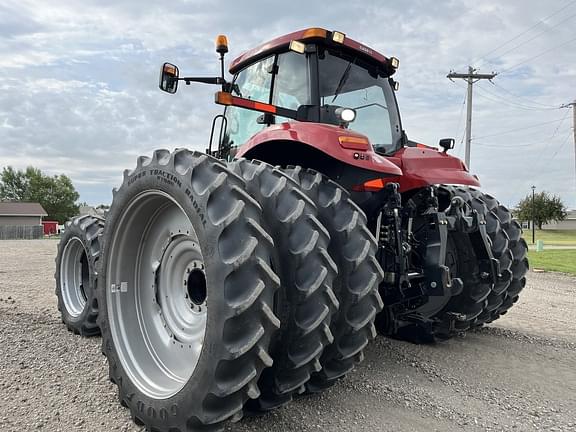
(224, 98)
(373, 185)
(338, 37)
(314, 32)
(298, 47)
(353, 142)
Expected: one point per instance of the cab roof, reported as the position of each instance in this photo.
(314, 34)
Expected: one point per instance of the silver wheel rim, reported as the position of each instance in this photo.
(74, 277)
(156, 294)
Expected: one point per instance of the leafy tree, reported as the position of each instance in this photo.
(13, 185)
(546, 208)
(55, 193)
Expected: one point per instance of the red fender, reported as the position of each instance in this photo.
(342, 144)
(424, 166)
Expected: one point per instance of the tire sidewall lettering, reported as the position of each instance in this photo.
(166, 181)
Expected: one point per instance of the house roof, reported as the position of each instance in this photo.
(21, 209)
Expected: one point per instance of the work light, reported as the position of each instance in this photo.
(346, 115)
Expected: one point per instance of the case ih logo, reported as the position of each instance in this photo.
(365, 49)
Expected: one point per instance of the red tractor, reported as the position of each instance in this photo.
(231, 280)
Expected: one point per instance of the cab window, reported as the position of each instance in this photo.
(292, 81)
(347, 84)
(253, 83)
(282, 80)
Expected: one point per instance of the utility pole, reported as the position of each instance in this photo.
(533, 217)
(573, 106)
(471, 77)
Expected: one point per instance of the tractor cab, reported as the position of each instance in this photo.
(318, 78)
(311, 76)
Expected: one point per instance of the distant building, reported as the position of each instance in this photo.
(21, 220)
(567, 224)
(21, 213)
(50, 227)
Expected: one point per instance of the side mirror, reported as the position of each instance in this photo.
(447, 144)
(169, 78)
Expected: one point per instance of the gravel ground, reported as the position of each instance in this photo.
(518, 374)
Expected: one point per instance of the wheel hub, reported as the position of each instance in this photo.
(180, 285)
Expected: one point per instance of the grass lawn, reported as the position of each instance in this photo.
(554, 260)
(552, 237)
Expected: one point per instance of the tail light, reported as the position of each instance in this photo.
(373, 185)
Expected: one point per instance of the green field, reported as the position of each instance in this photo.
(560, 260)
(552, 237)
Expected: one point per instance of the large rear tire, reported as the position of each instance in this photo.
(353, 248)
(76, 274)
(306, 302)
(186, 293)
(503, 300)
(479, 296)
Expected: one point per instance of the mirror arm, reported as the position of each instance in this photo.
(205, 80)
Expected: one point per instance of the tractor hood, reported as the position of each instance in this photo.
(422, 166)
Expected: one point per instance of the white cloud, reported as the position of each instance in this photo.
(78, 79)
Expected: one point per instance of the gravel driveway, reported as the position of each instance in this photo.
(518, 374)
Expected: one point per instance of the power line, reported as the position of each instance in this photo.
(501, 99)
(531, 39)
(460, 116)
(547, 144)
(481, 144)
(522, 97)
(536, 56)
(518, 129)
(542, 21)
(560, 147)
(546, 140)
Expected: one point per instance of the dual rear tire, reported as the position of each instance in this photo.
(482, 299)
(219, 292)
(76, 274)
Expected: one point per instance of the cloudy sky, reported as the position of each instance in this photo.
(78, 79)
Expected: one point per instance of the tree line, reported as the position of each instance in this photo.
(543, 209)
(56, 194)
